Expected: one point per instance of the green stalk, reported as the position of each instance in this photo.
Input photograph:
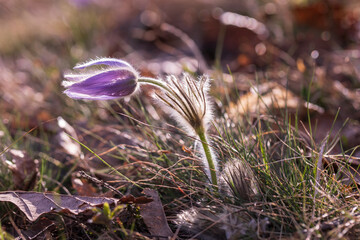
(209, 158)
(154, 82)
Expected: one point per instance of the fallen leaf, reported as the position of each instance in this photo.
(83, 187)
(154, 216)
(332, 15)
(270, 96)
(24, 169)
(138, 200)
(33, 204)
(143, 200)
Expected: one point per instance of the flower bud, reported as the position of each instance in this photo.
(118, 80)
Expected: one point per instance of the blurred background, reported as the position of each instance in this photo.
(279, 44)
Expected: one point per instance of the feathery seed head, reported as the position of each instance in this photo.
(238, 178)
(187, 101)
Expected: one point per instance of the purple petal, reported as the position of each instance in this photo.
(76, 77)
(109, 84)
(106, 61)
(75, 95)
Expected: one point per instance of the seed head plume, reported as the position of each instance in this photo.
(186, 99)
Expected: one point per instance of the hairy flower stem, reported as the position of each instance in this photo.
(200, 131)
(208, 155)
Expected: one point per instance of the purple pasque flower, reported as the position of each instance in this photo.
(118, 79)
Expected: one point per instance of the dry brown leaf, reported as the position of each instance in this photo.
(138, 200)
(24, 169)
(33, 204)
(83, 187)
(154, 216)
(269, 96)
(341, 19)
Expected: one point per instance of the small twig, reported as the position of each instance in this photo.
(100, 182)
(42, 231)
(176, 234)
(18, 231)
